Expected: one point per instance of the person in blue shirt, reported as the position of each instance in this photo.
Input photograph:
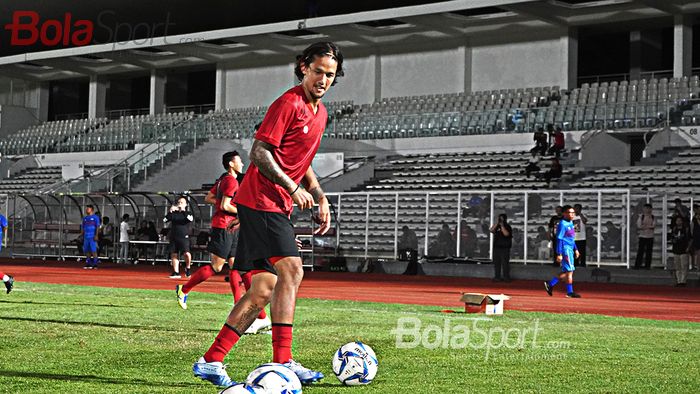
(88, 230)
(3, 232)
(566, 253)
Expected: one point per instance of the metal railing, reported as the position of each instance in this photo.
(197, 108)
(118, 113)
(370, 223)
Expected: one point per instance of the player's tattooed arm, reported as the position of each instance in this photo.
(261, 156)
(313, 186)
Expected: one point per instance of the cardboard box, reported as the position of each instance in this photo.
(490, 304)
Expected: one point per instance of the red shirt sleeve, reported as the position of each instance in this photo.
(228, 186)
(277, 121)
(213, 188)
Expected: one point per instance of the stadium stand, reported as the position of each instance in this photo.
(86, 135)
(48, 137)
(31, 180)
(659, 178)
(614, 105)
(478, 170)
(414, 176)
(607, 105)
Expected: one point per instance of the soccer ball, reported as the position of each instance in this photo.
(274, 378)
(355, 364)
(242, 388)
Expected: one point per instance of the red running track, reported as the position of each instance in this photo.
(651, 302)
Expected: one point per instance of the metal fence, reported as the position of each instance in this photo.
(367, 225)
(370, 224)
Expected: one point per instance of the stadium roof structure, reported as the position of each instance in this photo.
(428, 23)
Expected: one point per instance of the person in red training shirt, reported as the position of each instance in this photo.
(284, 146)
(224, 238)
(559, 143)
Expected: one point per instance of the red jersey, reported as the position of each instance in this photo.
(225, 186)
(291, 126)
(559, 140)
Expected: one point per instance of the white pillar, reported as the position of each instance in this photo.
(570, 73)
(39, 99)
(96, 97)
(467, 66)
(220, 89)
(157, 98)
(635, 54)
(682, 46)
(377, 76)
(42, 106)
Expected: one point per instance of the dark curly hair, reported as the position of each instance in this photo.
(317, 50)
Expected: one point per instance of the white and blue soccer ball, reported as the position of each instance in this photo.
(242, 388)
(355, 364)
(274, 378)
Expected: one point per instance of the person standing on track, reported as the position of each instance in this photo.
(566, 253)
(181, 220)
(3, 231)
(124, 230)
(284, 146)
(88, 230)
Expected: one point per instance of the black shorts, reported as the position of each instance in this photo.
(263, 235)
(223, 243)
(179, 245)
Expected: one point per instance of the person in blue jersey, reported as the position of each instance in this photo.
(566, 253)
(88, 230)
(3, 231)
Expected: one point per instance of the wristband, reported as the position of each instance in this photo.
(295, 190)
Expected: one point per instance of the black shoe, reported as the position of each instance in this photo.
(187, 272)
(548, 288)
(496, 280)
(9, 284)
(573, 295)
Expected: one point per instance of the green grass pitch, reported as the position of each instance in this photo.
(60, 338)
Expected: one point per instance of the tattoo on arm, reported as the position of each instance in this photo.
(261, 156)
(312, 186)
(317, 193)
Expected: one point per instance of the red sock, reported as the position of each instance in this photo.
(247, 279)
(281, 343)
(234, 280)
(198, 277)
(223, 344)
(1, 275)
